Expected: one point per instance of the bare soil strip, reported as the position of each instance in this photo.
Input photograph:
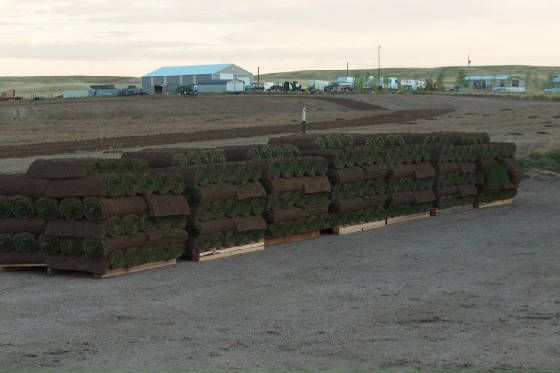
(16, 151)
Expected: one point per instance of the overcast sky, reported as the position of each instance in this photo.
(114, 37)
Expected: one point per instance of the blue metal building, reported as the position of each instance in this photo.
(169, 78)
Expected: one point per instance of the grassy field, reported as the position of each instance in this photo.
(538, 75)
(52, 86)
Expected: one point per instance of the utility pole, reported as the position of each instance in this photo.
(379, 66)
(347, 69)
(258, 74)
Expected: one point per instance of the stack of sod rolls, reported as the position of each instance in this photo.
(22, 239)
(410, 181)
(110, 214)
(356, 174)
(498, 172)
(296, 187)
(227, 203)
(175, 157)
(454, 157)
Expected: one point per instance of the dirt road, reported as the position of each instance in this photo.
(471, 292)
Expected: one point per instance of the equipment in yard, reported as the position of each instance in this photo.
(430, 85)
(188, 90)
(10, 94)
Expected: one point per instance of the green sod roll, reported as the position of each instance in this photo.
(287, 168)
(232, 208)
(179, 222)
(6, 243)
(140, 166)
(93, 248)
(164, 222)
(495, 175)
(115, 186)
(131, 223)
(163, 183)
(245, 207)
(147, 184)
(179, 160)
(258, 205)
(71, 208)
(206, 156)
(47, 208)
(147, 223)
(229, 238)
(299, 168)
(118, 258)
(193, 158)
(70, 246)
(21, 206)
(25, 242)
(275, 168)
(49, 244)
(114, 226)
(176, 184)
(4, 207)
(131, 185)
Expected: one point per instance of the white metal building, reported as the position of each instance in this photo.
(221, 86)
(169, 78)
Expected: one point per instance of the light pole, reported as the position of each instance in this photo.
(379, 66)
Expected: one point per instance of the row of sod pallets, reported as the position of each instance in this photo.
(115, 216)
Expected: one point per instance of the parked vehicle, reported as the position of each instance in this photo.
(10, 94)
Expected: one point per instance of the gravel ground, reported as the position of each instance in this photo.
(478, 291)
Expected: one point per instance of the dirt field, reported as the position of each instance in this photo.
(37, 128)
(474, 292)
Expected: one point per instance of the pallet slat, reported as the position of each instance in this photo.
(27, 265)
(451, 210)
(139, 268)
(361, 227)
(501, 202)
(403, 218)
(292, 238)
(231, 251)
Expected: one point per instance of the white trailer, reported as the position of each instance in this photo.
(317, 85)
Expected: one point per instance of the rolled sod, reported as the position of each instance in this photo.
(163, 223)
(131, 223)
(102, 185)
(47, 208)
(6, 243)
(14, 225)
(495, 175)
(114, 226)
(21, 206)
(193, 158)
(49, 244)
(147, 184)
(163, 183)
(131, 185)
(164, 157)
(230, 238)
(167, 205)
(258, 205)
(118, 258)
(4, 207)
(20, 184)
(176, 183)
(71, 208)
(96, 209)
(179, 222)
(147, 223)
(25, 242)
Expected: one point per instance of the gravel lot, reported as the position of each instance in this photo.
(477, 291)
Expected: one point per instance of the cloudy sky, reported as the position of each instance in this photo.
(133, 37)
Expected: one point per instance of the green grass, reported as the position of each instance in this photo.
(52, 86)
(548, 158)
(449, 73)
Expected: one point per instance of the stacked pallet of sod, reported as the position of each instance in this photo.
(227, 204)
(498, 172)
(22, 239)
(109, 215)
(297, 189)
(176, 157)
(411, 176)
(454, 158)
(356, 174)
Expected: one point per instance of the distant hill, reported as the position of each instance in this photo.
(52, 86)
(541, 73)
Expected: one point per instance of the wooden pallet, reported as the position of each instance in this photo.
(268, 241)
(230, 251)
(138, 268)
(360, 227)
(451, 210)
(500, 202)
(26, 265)
(403, 218)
